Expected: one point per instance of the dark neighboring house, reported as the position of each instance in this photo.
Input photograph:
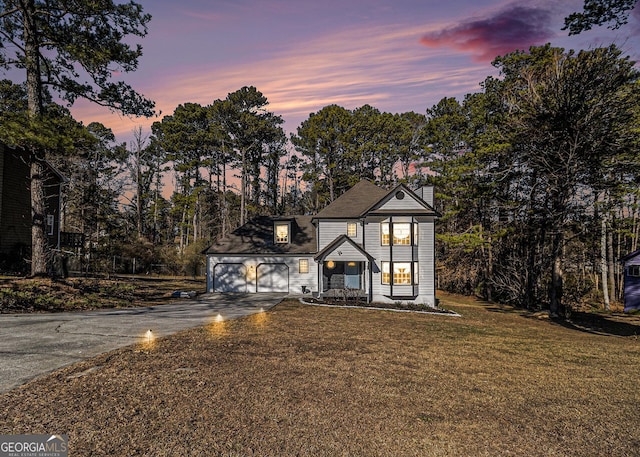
(15, 208)
(631, 281)
(372, 242)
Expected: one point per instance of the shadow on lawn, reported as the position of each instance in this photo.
(600, 324)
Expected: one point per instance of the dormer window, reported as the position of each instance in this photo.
(282, 233)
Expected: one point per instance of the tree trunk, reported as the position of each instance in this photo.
(39, 245)
(243, 189)
(611, 266)
(555, 291)
(34, 100)
(603, 263)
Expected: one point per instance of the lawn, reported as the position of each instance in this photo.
(317, 381)
(23, 295)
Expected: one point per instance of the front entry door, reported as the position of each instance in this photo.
(352, 275)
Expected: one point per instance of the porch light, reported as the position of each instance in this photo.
(251, 272)
(351, 264)
(331, 264)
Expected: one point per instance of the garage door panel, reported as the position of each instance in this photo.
(229, 277)
(273, 277)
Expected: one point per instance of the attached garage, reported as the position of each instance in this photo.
(273, 277)
(229, 277)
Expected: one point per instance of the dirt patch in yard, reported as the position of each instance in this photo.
(319, 381)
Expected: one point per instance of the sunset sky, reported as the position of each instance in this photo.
(397, 55)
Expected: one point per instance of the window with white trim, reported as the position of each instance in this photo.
(303, 266)
(401, 234)
(386, 276)
(352, 229)
(633, 270)
(384, 233)
(401, 273)
(404, 234)
(282, 233)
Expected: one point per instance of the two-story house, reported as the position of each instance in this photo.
(375, 242)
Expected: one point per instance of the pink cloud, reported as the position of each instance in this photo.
(517, 27)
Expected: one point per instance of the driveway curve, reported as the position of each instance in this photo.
(32, 345)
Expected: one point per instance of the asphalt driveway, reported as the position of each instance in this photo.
(35, 344)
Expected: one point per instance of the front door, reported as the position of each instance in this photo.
(352, 275)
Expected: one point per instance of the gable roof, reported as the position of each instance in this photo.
(354, 202)
(339, 241)
(424, 208)
(365, 197)
(257, 237)
(630, 256)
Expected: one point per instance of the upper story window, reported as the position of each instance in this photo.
(303, 266)
(404, 233)
(634, 270)
(282, 233)
(352, 229)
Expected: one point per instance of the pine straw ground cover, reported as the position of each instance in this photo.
(317, 381)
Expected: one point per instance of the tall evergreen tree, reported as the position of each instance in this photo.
(70, 47)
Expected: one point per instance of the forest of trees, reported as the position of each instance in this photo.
(537, 174)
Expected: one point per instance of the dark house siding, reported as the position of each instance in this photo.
(15, 203)
(631, 281)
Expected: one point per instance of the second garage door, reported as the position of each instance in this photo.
(229, 277)
(273, 277)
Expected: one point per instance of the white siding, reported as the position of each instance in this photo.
(427, 262)
(423, 253)
(296, 279)
(407, 203)
(346, 252)
(329, 230)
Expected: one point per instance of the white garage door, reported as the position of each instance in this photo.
(229, 277)
(273, 277)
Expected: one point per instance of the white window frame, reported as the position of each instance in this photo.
(282, 238)
(385, 238)
(352, 229)
(388, 273)
(303, 266)
(411, 238)
(402, 274)
(633, 271)
(385, 275)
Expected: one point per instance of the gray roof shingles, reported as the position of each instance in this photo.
(256, 237)
(354, 202)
